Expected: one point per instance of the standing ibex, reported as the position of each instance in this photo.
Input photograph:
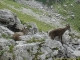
(59, 32)
(17, 34)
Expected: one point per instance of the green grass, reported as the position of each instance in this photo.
(11, 48)
(17, 5)
(1, 52)
(26, 18)
(35, 40)
(75, 23)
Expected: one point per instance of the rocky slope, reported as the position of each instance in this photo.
(36, 45)
(47, 15)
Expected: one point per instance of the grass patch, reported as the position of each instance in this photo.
(17, 5)
(35, 40)
(24, 58)
(11, 48)
(1, 52)
(66, 11)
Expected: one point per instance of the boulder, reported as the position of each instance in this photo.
(7, 56)
(25, 51)
(6, 42)
(5, 31)
(6, 49)
(10, 20)
(33, 29)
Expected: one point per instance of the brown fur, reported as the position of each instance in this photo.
(59, 32)
(17, 34)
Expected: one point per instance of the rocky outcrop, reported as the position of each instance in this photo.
(32, 27)
(10, 20)
(37, 45)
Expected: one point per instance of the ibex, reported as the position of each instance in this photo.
(17, 34)
(59, 32)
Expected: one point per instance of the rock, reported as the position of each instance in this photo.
(5, 49)
(66, 38)
(53, 43)
(10, 20)
(20, 26)
(7, 56)
(26, 37)
(45, 50)
(38, 36)
(26, 51)
(6, 31)
(50, 49)
(76, 53)
(20, 42)
(71, 52)
(79, 41)
(33, 29)
(30, 3)
(5, 42)
(77, 1)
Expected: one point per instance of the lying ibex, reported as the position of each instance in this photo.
(59, 32)
(17, 34)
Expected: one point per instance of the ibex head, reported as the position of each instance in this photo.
(68, 27)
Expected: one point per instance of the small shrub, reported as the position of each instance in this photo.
(1, 52)
(22, 22)
(13, 56)
(72, 35)
(11, 48)
(56, 48)
(40, 30)
(29, 26)
(77, 36)
(24, 58)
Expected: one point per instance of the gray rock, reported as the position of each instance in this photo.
(76, 53)
(6, 31)
(33, 29)
(38, 36)
(5, 50)
(6, 42)
(10, 20)
(8, 17)
(26, 37)
(7, 56)
(25, 51)
(53, 43)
